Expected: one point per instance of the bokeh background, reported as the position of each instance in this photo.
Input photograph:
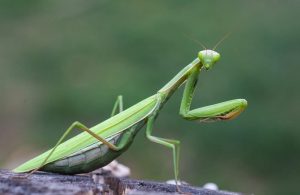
(62, 61)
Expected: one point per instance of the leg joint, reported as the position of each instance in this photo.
(186, 116)
(76, 123)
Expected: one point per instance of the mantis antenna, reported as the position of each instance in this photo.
(222, 39)
(215, 47)
(196, 41)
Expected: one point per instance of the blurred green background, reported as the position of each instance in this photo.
(62, 61)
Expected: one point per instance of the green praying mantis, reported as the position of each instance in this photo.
(97, 146)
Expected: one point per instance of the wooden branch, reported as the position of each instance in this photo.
(49, 183)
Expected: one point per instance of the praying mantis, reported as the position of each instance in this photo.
(97, 146)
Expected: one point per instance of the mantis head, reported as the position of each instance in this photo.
(208, 58)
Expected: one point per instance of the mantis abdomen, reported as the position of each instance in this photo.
(93, 157)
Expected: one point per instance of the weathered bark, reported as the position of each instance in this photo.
(48, 183)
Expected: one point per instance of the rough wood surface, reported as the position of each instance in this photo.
(48, 183)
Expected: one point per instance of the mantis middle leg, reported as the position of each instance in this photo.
(173, 144)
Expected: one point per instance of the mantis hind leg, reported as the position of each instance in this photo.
(118, 104)
(170, 143)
